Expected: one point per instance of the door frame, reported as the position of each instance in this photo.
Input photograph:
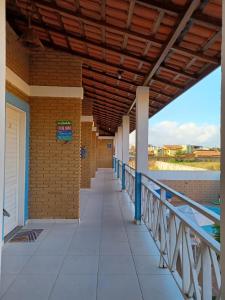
(21, 162)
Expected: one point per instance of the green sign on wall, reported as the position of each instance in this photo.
(64, 131)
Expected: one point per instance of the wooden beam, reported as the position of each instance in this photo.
(177, 71)
(182, 22)
(52, 6)
(95, 87)
(197, 55)
(174, 9)
(119, 88)
(125, 81)
(95, 97)
(212, 40)
(113, 110)
(90, 59)
(73, 36)
(111, 95)
(101, 98)
(193, 6)
(113, 28)
(117, 95)
(104, 47)
(168, 82)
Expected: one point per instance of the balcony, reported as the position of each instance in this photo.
(106, 256)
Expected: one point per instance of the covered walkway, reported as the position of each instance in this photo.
(105, 257)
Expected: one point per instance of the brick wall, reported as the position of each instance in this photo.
(104, 153)
(87, 106)
(199, 190)
(54, 166)
(55, 68)
(86, 142)
(17, 57)
(93, 154)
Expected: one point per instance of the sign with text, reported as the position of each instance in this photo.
(64, 131)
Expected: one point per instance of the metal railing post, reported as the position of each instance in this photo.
(123, 177)
(118, 168)
(137, 197)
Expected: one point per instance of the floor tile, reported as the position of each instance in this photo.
(43, 265)
(71, 287)
(119, 287)
(20, 248)
(112, 248)
(122, 264)
(30, 287)
(147, 247)
(14, 264)
(160, 287)
(80, 264)
(53, 246)
(149, 264)
(6, 281)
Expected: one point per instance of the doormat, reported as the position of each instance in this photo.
(26, 236)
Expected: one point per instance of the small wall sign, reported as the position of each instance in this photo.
(83, 152)
(64, 131)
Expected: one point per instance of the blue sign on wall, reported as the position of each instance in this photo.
(64, 131)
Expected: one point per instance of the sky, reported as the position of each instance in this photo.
(193, 118)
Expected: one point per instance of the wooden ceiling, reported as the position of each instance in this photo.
(168, 45)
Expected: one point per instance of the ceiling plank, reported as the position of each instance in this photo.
(125, 81)
(182, 22)
(102, 46)
(127, 100)
(95, 97)
(151, 103)
(193, 6)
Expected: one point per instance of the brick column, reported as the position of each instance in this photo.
(96, 149)
(93, 152)
(86, 149)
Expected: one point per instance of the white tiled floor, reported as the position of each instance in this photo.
(105, 257)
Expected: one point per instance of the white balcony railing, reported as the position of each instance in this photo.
(190, 253)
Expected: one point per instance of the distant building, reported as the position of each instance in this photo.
(190, 148)
(205, 154)
(152, 150)
(171, 150)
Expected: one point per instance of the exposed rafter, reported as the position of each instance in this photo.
(170, 48)
(181, 25)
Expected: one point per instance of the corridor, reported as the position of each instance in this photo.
(105, 257)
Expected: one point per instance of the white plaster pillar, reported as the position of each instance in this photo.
(2, 109)
(120, 143)
(142, 114)
(116, 144)
(222, 178)
(126, 131)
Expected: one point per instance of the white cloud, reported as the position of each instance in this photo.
(169, 132)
